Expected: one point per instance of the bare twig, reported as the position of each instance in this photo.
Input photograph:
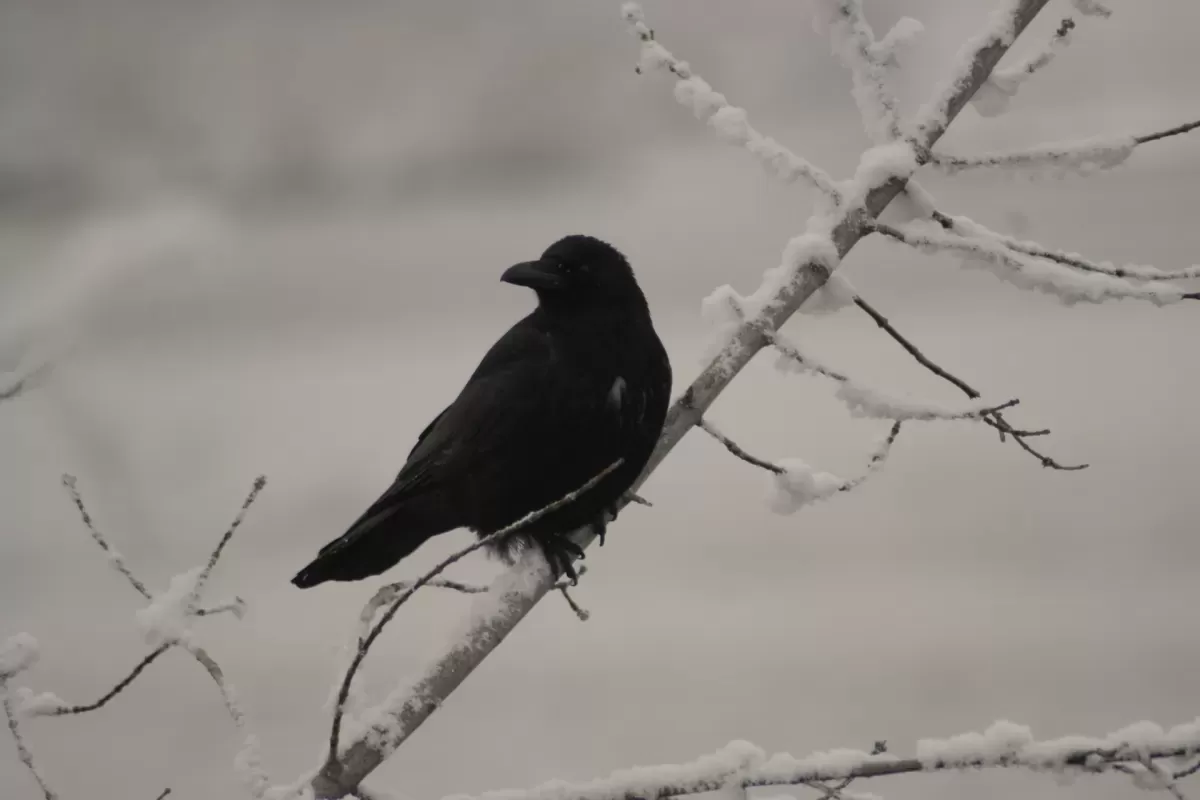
(734, 448)
(123, 684)
(164, 793)
(198, 587)
(364, 644)
(114, 557)
(23, 752)
(996, 420)
(580, 612)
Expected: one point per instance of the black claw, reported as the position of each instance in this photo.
(560, 552)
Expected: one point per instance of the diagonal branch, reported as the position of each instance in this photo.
(409, 710)
(365, 642)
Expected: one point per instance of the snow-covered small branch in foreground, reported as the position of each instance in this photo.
(1092, 8)
(1003, 744)
(993, 97)
(1067, 285)
(729, 121)
(1138, 272)
(1084, 157)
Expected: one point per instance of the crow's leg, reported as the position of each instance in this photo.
(600, 527)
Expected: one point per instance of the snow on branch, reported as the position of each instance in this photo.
(165, 622)
(854, 42)
(729, 121)
(1052, 278)
(794, 483)
(1004, 744)
(993, 97)
(1083, 156)
(1138, 272)
(386, 722)
(806, 269)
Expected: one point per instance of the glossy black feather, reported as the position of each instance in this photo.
(580, 382)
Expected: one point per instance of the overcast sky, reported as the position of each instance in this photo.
(266, 237)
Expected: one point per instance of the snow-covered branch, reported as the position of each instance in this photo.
(1003, 744)
(1083, 156)
(166, 624)
(382, 726)
(729, 121)
(1138, 272)
(1068, 285)
(993, 97)
(809, 260)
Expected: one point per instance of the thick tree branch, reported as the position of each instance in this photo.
(408, 711)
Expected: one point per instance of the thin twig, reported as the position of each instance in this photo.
(23, 752)
(364, 645)
(734, 448)
(123, 684)
(114, 557)
(580, 612)
(164, 793)
(996, 420)
(198, 587)
(1065, 151)
(1164, 777)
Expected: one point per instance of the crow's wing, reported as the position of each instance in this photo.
(528, 427)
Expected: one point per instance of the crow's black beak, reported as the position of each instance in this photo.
(536, 275)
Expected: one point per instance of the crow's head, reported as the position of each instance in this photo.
(578, 271)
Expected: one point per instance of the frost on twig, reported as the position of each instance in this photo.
(794, 483)
(993, 97)
(807, 264)
(869, 61)
(1003, 744)
(964, 226)
(1083, 156)
(1069, 286)
(730, 122)
(166, 623)
(332, 766)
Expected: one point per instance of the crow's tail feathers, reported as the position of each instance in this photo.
(373, 545)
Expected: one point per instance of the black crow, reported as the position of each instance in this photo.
(580, 382)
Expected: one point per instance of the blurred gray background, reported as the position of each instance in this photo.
(266, 236)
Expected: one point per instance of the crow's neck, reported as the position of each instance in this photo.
(610, 327)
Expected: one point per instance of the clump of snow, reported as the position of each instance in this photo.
(799, 485)
(1001, 741)
(911, 205)
(864, 402)
(880, 164)
(991, 99)
(168, 618)
(809, 247)
(707, 771)
(248, 764)
(1092, 8)
(900, 35)
(834, 295)
(18, 653)
(821, 765)
(723, 306)
(43, 704)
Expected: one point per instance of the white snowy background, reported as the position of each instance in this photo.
(267, 236)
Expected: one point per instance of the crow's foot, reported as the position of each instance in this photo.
(560, 553)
